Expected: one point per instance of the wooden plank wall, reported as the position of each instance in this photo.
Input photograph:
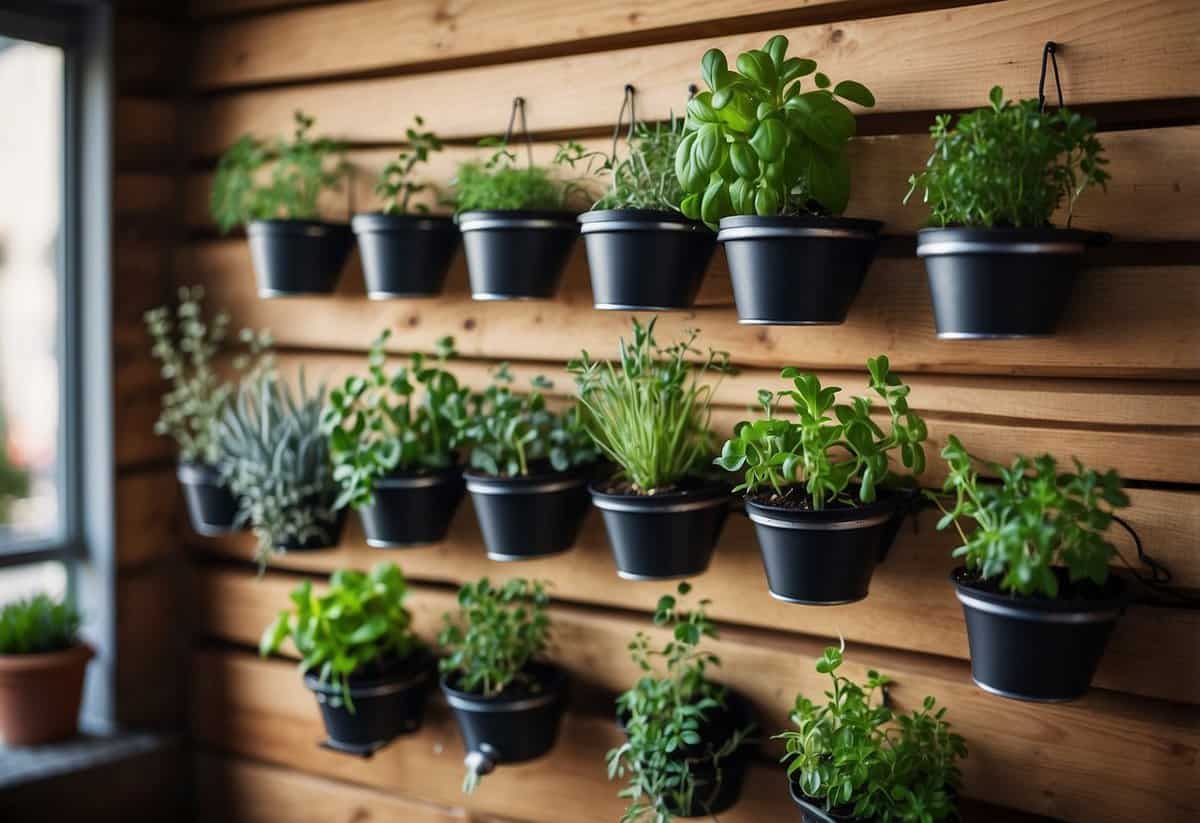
(1119, 386)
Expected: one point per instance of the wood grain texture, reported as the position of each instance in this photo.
(149, 509)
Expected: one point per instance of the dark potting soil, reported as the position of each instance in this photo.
(627, 487)
(530, 683)
(798, 499)
(1078, 591)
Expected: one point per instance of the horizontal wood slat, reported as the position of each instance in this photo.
(1062, 760)
(220, 8)
(148, 511)
(931, 60)
(911, 606)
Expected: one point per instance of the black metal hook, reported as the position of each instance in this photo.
(1048, 56)
(693, 90)
(518, 107)
(627, 102)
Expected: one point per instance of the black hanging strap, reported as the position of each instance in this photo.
(1048, 56)
(1160, 576)
(518, 107)
(627, 102)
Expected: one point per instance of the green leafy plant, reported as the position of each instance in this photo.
(650, 412)
(277, 464)
(507, 432)
(499, 184)
(186, 346)
(1009, 164)
(396, 186)
(829, 445)
(282, 179)
(1033, 520)
(37, 625)
(664, 716)
(377, 424)
(758, 144)
(357, 626)
(856, 757)
(14, 477)
(645, 178)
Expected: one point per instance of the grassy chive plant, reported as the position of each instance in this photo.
(38, 625)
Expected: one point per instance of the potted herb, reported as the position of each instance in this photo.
(649, 414)
(42, 662)
(507, 701)
(405, 250)
(853, 759)
(392, 451)
(1036, 591)
(369, 671)
(518, 224)
(528, 468)
(997, 266)
(686, 747)
(192, 409)
(294, 251)
(277, 465)
(820, 489)
(765, 161)
(642, 252)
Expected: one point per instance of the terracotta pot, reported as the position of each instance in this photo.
(40, 695)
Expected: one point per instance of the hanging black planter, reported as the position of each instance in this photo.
(386, 704)
(211, 506)
(516, 255)
(663, 536)
(1001, 283)
(333, 529)
(412, 508)
(812, 811)
(294, 257)
(517, 725)
(797, 270)
(533, 516)
(1036, 648)
(643, 259)
(405, 255)
(827, 557)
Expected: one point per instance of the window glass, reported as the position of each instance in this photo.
(28, 579)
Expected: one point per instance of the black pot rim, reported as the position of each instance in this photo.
(480, 483)
(1038, 609)
(488, 219)
(887, 505)
(617, 220)
(712, 494)
(420, 478)
(552, 683)
(805, 802)
(422, 670)
(753, 227)
(306, 228)
(964, 240)
(198, 474)
(371, 222)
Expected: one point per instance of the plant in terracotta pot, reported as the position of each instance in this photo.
(643, 253)
(277, 465)
(997, 266)
(853, 759)
(360, 658)
(765, 161)
(686, 747)
(528, 467)
(821, 490)
(393, 449)
(1037, 594)
(186, 342)
(518, 222)
(507, 700)
(405, 249)
(649, 414)
(42, 663)
(273, 189)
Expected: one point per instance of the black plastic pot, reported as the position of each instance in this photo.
(1034, 648)
(211, 506)
(412, 508)
(663, 536)
(386, 705)
(516, 255)
(294, 257)
(533, 516)
(405, 255)
(1001, 283)
(826, 558)
(813, 812)
(797, 271)
(642, 259)
(333, 528)
(513, 727)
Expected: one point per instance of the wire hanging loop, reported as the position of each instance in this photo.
(518, 108)
(1048, 57)
(627, 103)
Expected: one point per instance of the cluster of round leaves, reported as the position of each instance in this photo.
(758, 143)
(37, 625)
(828, 446)
(645, 178)
(499, 184)
(665, 714)
(1009, 164)
(378, 424)
(861, 761)
(650, 412)
(396, 186)
(1034, 520)
(356, 626)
